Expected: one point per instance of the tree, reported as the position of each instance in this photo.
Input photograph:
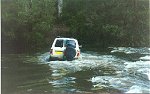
(109, 21)
(28, 21)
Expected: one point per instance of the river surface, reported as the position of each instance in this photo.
(117, 70)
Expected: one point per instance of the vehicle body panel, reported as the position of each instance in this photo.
(58, 48)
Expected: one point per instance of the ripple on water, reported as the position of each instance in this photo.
(103, 71)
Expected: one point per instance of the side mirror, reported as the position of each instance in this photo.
(80, 46)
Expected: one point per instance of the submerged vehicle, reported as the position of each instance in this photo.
(65, 49)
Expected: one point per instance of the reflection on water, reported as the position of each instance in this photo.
(120, 70)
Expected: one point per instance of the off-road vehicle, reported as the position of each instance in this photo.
(64, 49)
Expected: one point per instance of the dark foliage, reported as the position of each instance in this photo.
(29, 25)
(108, 22)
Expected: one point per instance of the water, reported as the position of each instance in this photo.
(118, 70)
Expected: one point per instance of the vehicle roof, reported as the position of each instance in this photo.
(66, 38)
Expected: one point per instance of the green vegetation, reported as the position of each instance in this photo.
(26, 24)
(108, 22)
(29, 25)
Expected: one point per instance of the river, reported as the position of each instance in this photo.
(117, 70)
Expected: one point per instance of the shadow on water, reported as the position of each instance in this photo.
(19, 75)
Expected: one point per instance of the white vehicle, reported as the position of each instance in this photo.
(64, 49)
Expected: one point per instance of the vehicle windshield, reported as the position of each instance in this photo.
(59, 43)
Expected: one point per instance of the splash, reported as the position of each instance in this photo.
(104, 71)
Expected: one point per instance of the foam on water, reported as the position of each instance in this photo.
(130, 77)
(138, 89)
(137, 64)
(63, 81)
(44, 58)
(135, 89)
(122, 49)
(144, 72)
(145, 58)
(125, 84)
(130, 50)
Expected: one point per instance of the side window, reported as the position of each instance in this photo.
(59, 43)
